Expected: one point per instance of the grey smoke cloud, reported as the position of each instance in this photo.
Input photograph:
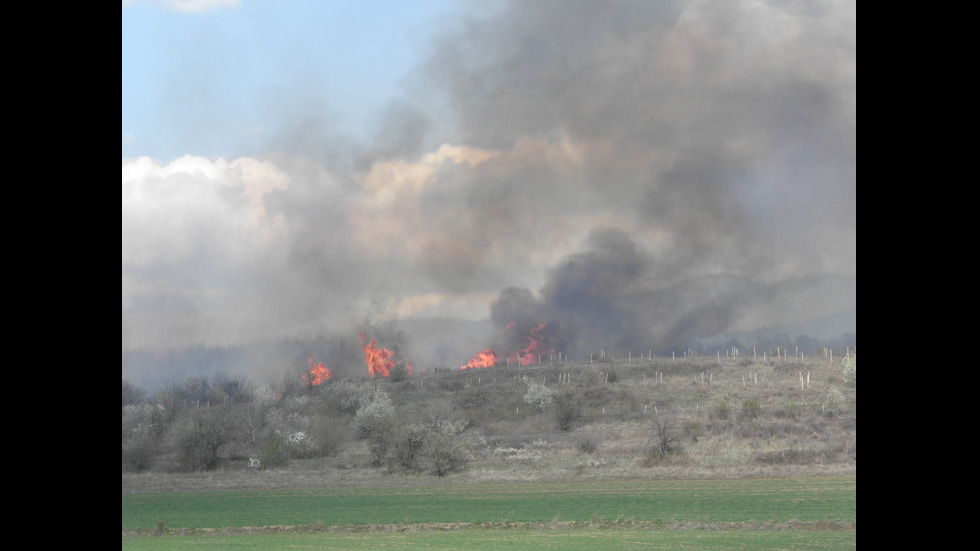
(637, 173)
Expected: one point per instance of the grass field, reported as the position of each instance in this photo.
(798, 513)
(567, 540)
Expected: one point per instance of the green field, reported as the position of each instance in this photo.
(765, 500)
(771, 513)
(568, 540)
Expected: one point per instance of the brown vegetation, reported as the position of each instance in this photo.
(655, 418)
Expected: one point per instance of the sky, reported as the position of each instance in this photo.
(635, 173)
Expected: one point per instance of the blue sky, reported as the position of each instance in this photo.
(213, 78)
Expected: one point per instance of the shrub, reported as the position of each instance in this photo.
(375, 411)
(138, 452)
(835, 398)
(435, 447)
(271, 453)
(399, 372)
(538, 396)
(445, 451)
(139, 436)
(197, 439)
(722, 410)
(407, 448)
(328, 436)
(381, 439)
(849, 370)
(693, 429)
(793, 456)
(568, 410)
(588, 443)
(664, 439)
(750, 410)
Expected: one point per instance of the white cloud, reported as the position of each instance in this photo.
(192, 6)
(170, 211)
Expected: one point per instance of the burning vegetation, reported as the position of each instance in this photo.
(534, 346)
(380, 361)
(317, 374)
(482, 359)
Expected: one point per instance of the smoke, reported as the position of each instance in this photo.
(610, 297)
(654, 171)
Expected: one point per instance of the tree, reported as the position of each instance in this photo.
(665, 436)
(197, 438)
(249, 417)
(375, 420)
(131, 394)
(173, 399)
(445, 451)
(139, 436)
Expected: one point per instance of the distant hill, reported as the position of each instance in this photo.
(430, 343)
(828, 328)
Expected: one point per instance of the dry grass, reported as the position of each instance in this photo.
(791, 434)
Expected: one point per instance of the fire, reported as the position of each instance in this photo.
(380, 361)
(535, 346)
(318, 374)
(484, 358)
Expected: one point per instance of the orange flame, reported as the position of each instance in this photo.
(529, 354)
(380, 361)
(484, 358)
(318, 374)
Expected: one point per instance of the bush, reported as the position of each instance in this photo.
(408, 447)
(664, 439)
(375, 412)
(538, 396)
(399, 372)
(794, 456)
(197, 439)
(568, 410)
(693, 430)
(835, 398)
(140, 429)
(138, 452)
(435, 447)
(381, 439)
(588, 443)
(750, 410)
(722, 410)
(271, 453)
(328, 436)
(849, 370)
(445, 451)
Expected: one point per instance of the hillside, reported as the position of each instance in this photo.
(630, 418)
